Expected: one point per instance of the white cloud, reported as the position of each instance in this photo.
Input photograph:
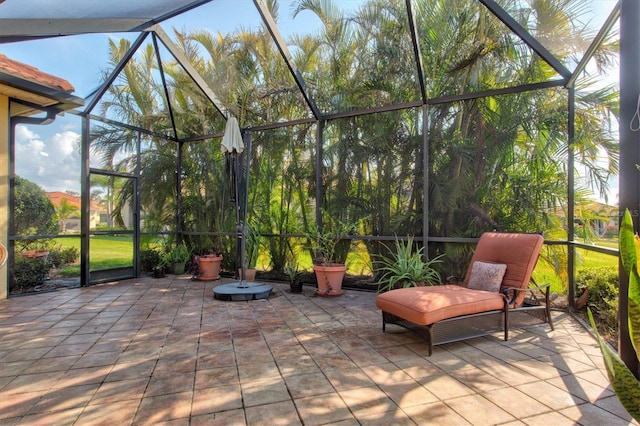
(52, 162)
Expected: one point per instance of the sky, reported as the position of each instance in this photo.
(49, 155)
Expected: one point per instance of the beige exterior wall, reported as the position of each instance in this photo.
(4, 189)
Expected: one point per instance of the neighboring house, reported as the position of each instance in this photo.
(601, 218)
(98, 215)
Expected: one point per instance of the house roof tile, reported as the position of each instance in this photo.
(33, 74)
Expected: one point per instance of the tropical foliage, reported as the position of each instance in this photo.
(495, 162)
(34, 212)
(623, 381)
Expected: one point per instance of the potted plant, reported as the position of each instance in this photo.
(330, 269)
(406, 267)
(158, 268)
(178, 257)
(208, 263)
(252, 246)
(292, 274)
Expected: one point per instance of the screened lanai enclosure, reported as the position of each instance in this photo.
(436, 120)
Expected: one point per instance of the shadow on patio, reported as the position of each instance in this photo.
(165, 351)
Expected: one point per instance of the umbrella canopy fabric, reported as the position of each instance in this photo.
(232, 139)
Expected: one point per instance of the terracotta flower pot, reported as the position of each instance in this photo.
(209, 267)
(249, 273)
(35, 254)
(329, 278)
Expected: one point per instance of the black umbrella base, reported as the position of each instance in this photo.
(242, 290)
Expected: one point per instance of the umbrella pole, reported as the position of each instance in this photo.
(240, 234)
(242, 290)
(242, 201)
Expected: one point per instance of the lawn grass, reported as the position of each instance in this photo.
(105, 252)
(585, 259)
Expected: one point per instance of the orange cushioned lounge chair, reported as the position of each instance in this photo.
(496, 284)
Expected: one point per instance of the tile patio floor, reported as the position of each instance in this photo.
(164, 351)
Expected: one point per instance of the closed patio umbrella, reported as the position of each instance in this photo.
(232, 146)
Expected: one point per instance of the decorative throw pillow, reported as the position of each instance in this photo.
(486, 276)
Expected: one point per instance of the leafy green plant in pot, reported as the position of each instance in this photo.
(178, 257)
(158, 269)
(623, 381)
(406, 267)
(253, 251)
(291, 271)
(329, 270)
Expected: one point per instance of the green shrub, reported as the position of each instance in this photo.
(149, 259)
(63, 256)
(28, 273)
(603, 288)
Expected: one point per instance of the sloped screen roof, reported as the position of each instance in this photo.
(23, 20)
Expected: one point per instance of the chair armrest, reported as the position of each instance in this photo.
(535, 287)
(454, 280)
(511, 292)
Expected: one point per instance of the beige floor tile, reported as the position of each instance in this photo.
(65, 417)
(478, 380)
(122, 390)
(583, 389)
(396, 418)
(216, 377)
(83, 376)
(537, 368)
(304, 385)
(224, 418)
(17, 405)
(32, 382)
(215, 400)
(509, 374)
(437, 413)
(386, 373)
(61, 399)
(370, 400)
(158, 409)
(550, 395)
(612, 405)
(587, 414)
(294, 365)
(265, 391)
(170, 382)
(323, 409)
(478, 410)
(546, 419)
(216, 359)
(337, 361)
(407, 394)
(350, 378)
(516, 403)
(278, 414)
(257, 371)
(445, 387)
(115, 413)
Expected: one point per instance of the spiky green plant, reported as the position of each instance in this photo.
(623, 381)
(406, 267)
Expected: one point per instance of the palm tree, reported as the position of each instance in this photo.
(65, 211)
